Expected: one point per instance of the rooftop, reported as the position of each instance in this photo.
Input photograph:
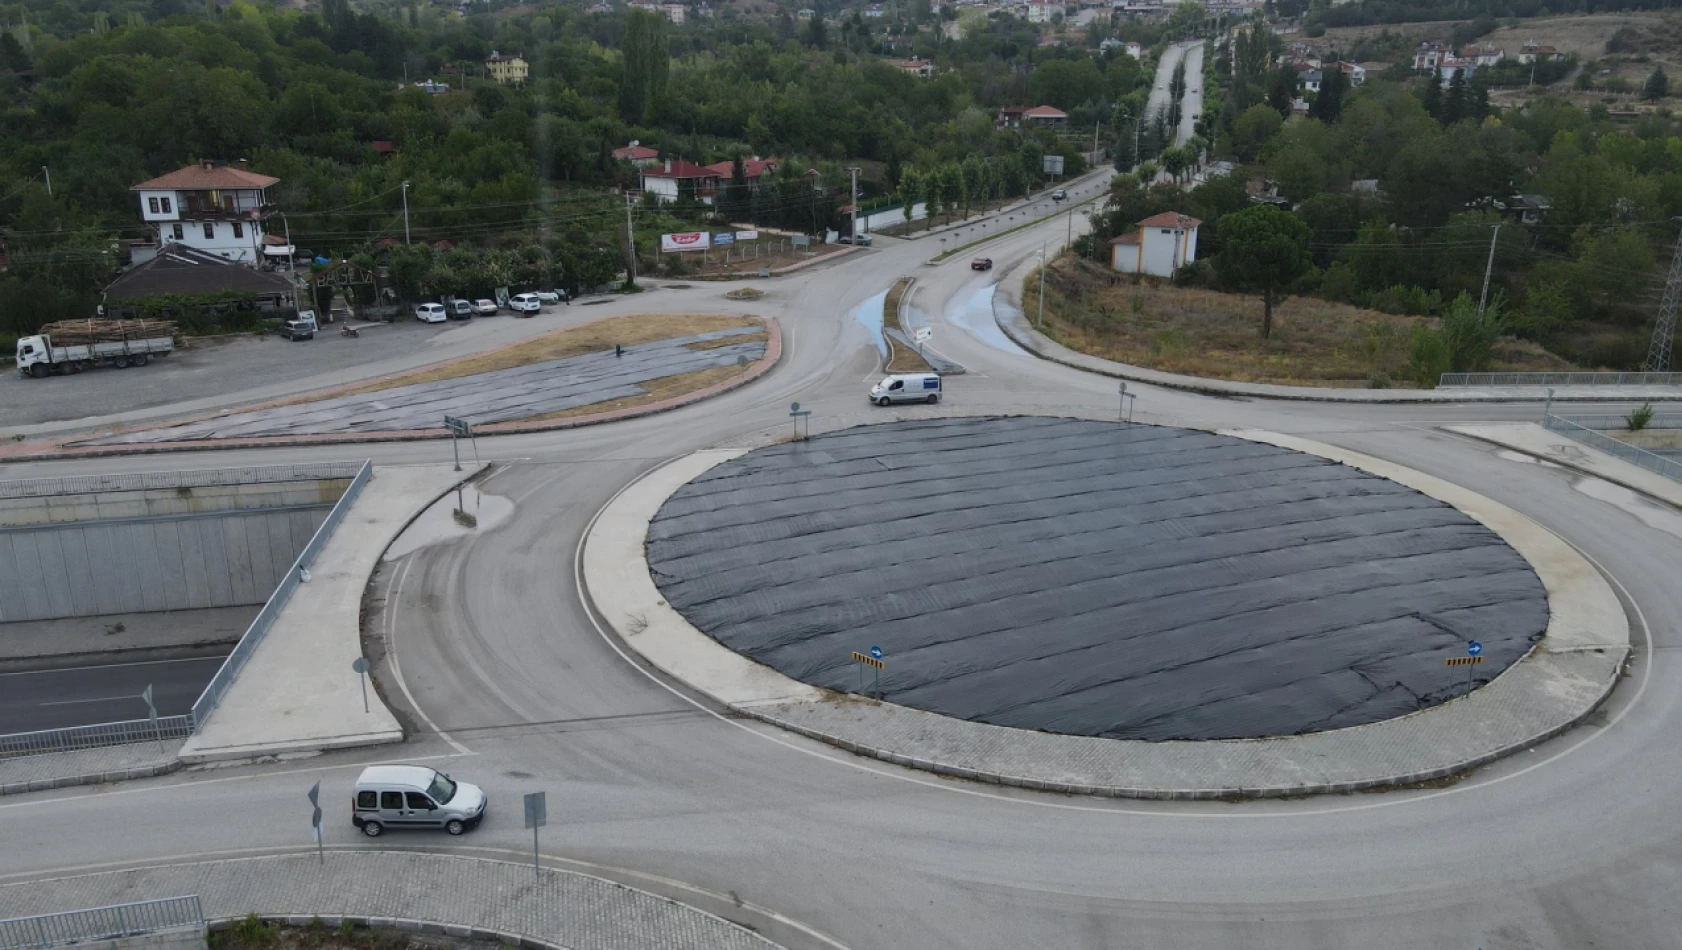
(1170, 219)
(206, 176)
(179, 269)
(678, 168)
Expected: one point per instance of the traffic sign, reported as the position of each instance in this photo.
(922, 334)
(537, 809)
(1474, 648)
(315, 819)
(876, 651)
(1463, 661)
(458, 427)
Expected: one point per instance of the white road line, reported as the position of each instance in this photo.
(118, 666)
(102, 699)
(394, 594)
(949, 786)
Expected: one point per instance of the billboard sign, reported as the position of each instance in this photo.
(724, 237)
(1054, 164)
(747, 235)
(685, 241)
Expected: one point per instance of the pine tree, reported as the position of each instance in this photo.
(1282, 90)
(1433, 97)
(1454, 104)
(1658, 85)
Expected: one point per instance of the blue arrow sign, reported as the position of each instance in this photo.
(875, 652)
(1474, 648)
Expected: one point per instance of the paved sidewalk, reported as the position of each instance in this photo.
(298, 692)
(116, 763)
(445, 893)
(1531, 439)
(1008, 313)
(1554, 687)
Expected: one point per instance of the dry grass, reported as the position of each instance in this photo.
(1218, 336)
(666, 387)
(627, 330)
(901, 358)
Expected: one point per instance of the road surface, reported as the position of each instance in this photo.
(86, 695)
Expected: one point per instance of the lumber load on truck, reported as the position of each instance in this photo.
(96, 330)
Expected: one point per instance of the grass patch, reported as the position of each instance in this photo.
(1195, 332)
(665, 387)
(901, 358)
(251, 933)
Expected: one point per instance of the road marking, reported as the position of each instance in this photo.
(950, 786)
(118, 666)
(395, 594)
(102, 699)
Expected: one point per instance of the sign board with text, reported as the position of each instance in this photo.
(747, 235)
(685, 241)
(724, 237)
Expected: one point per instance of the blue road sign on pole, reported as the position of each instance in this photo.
(1474, 648)
(876, 652)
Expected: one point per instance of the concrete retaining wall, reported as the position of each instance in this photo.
(137, 565)
(159, 502)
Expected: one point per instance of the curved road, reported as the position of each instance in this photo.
(1571, 845)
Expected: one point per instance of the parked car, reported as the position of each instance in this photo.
(430, 313)
(981, 263)
(551, 296)
(298, 330)
(906, 387)
(484, 308)
(525, 304)
(414, 796)
(459, 309)
(862, 240)
(1059, 195)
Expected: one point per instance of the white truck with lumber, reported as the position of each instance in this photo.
(71, 346)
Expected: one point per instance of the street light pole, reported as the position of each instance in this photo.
(291, 261)
(49, 175)
(405, 212)
(855, 201)
(1042, 285)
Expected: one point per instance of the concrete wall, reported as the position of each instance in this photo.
(135, 565)
(159, 502)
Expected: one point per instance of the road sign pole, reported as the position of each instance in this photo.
(455, 445)
(537, 815)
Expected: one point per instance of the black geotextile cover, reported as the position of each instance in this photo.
(1093, 578)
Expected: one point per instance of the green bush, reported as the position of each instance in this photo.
(1429, 356)
(1638, 418)
(1471, 336)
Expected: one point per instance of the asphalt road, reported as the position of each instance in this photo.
(85, 695)
(1571, 845)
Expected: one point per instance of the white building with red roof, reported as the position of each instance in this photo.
(1163, 244)
(676, 177)
(637, 154)
(754, 169)
(212, 207)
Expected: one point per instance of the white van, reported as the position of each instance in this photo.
(414, 796)
(906, 387)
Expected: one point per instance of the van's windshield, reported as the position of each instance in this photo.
(442, 790)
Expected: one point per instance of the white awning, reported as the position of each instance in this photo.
(284, 250)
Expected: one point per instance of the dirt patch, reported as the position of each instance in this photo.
(1218, 336)
(628, 330)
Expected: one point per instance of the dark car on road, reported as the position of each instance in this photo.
(1059, 195)
(981, 263)
(298, 330)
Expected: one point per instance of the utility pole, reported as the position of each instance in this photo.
(1488, 269)
(1070, 240)
(291, 261)
(855, 196)
(1658, 357)
(49, 175)
(630, 246)
(405, 212)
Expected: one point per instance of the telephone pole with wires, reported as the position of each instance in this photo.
(1658, 355)
(630, 247)
(1488, 269)
(405, 212)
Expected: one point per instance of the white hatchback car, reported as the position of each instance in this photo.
(431, 313)
(525, 304)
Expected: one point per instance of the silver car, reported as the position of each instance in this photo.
(414, 796)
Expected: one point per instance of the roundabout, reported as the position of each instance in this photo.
(1092, 607)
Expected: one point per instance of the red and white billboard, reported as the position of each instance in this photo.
(686, 241)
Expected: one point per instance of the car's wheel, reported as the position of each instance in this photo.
(933, 398)
(372, 828)
(883, 401)
(454, 826)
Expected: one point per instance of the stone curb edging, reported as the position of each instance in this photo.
(1036, 342)
(1553, 688)
(405, 924)
(91, 778)
(773, 356)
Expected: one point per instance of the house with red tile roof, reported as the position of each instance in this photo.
(677, 177)
(1163, 244)
(212, 207)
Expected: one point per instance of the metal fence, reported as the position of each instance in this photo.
(1559, 379)
(76, 738)
(1670, 468)
(204, 478)
(101, 923)
(1669, 420)
(229, 671)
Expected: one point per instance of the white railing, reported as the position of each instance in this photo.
(1670, 468)
(100, 923)
(1559, 379)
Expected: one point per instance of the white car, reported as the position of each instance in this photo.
(525, 304)
(484, 308)
(431, 313)
(549, 296)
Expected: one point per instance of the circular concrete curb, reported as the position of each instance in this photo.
(1561, 681)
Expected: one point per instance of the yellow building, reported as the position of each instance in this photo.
(506, 69)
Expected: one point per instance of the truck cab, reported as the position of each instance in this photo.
(32, 350)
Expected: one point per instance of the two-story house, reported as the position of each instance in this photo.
(212, 207)
(506, 70)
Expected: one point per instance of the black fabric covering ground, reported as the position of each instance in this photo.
(1094, 579)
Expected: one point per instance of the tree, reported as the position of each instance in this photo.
(1252, 130)
(817, 32)
(1432, 97)
(1328, 103)
(647, 60)
(1262, 249)
(1174, 161)
(1282, 90)
(909, 191)
(1657, 85)
(1454, 104)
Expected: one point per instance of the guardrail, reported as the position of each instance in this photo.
(229, 670)
(101, 923)
(1559, 379)
(76, 738)
(1669, 420)
(202, 478)
(1669, 468)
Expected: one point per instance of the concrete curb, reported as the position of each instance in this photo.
(1553, 688)
(91, 778)
(773, 356)
(1613, 476)
(405, 924)
(1015, 326)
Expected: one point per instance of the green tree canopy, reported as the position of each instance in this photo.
(1263, 249)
